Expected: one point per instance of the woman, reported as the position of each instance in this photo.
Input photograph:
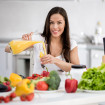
(61, 51)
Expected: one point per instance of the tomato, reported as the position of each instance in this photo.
(42, 85)
(35, 75)
(29, 77)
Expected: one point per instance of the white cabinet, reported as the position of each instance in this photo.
(84, 56)
(96, 57)
(90, 55)
(6, 62)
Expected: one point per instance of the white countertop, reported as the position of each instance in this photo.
(61, 98)
(90, 46)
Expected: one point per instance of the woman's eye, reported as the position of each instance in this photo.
(51, 22)
(59, 22)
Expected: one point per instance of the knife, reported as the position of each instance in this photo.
(103, 58)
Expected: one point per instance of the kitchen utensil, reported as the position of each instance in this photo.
(103, 58)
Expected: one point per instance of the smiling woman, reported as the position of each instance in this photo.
(62, 52)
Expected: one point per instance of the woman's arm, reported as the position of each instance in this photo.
(74, 59)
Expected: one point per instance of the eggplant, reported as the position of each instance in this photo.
(3, 88)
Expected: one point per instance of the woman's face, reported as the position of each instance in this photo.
(57, 25)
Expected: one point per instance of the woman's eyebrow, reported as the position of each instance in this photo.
(58, 20)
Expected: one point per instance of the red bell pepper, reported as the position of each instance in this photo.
(45, 73)
(71, 85)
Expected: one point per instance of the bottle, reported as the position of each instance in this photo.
(98, 30)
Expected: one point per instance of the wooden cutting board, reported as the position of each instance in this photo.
(103, 58)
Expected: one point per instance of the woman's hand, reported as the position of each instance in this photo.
(27, 36)
(48, 59)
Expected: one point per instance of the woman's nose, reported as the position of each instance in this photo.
(55, 26)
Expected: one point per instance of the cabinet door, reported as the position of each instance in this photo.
(5, 62)
(84, 56)
(96, 57)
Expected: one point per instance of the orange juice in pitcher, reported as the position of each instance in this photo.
(17, 46)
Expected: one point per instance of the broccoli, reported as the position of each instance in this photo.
(53, 81)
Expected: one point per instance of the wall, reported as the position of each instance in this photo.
(24, 16)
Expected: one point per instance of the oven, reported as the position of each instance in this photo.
(23, 63)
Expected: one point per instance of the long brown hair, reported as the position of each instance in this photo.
(65, 35)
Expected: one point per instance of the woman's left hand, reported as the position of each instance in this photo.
(47, 59)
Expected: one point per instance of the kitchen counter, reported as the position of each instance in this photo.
(90, 46)
(62, 98)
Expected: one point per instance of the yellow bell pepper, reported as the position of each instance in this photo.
(15, 79)
(24, 87)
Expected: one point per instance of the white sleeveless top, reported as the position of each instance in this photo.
(37, 48)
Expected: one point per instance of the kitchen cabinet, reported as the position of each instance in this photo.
(90, 55)
(84, 56)
(6, 61)
(96, 57)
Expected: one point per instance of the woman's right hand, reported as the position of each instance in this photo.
(27, 36)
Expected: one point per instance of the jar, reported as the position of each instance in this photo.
(77, 71)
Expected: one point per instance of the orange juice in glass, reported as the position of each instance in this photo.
(17, 46)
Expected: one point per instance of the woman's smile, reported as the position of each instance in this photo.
(55, 32)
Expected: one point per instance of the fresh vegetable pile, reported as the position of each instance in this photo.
(93, 79)
(24, 88)
(51, 81)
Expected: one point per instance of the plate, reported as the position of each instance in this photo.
(50, 91)
(7, 93)
(91, 91)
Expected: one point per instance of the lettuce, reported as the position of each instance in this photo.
(93, 79)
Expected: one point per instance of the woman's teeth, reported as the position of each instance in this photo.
(55, 32)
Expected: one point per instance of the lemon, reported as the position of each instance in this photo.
(41, 54)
